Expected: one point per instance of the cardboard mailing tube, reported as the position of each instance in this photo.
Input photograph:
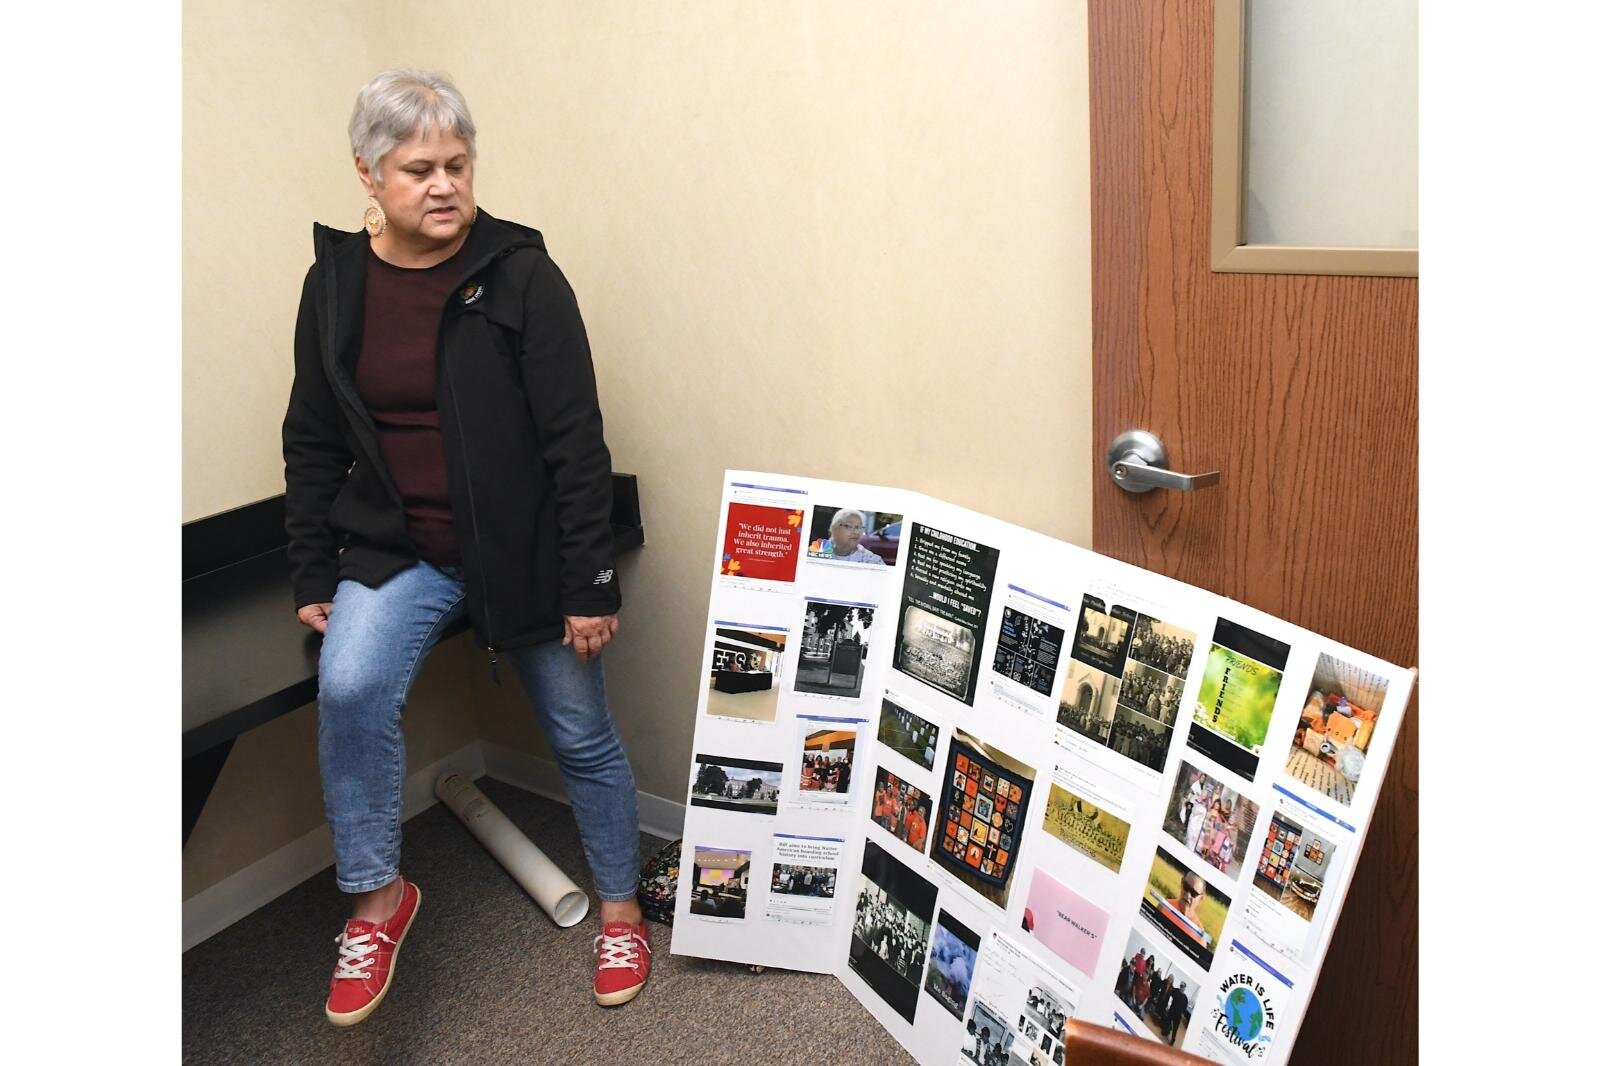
(542, 879)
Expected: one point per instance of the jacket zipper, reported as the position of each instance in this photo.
(466, 463)
(347, 389)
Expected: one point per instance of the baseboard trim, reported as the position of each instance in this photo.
(657, 816)
(208, 912)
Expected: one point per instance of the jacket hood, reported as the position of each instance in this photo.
(488, 237)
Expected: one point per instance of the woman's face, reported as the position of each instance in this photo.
(847, 535)
(427, 188)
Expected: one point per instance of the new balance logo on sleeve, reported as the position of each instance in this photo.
(603, 577)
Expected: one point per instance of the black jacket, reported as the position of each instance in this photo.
(529, 473)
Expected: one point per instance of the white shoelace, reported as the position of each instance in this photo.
(353, 955)
(618, 952)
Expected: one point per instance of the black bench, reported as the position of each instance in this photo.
(246, 657)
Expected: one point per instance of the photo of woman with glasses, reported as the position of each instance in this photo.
(840, 536)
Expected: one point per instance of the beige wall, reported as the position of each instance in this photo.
(834, 239)
(267, 89)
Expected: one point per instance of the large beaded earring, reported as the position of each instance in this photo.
(375, 220)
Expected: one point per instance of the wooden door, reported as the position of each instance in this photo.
(1302, 391)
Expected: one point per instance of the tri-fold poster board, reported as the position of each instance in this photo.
(992, 781)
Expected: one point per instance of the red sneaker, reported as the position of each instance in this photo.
(622, 962)
(367, 953)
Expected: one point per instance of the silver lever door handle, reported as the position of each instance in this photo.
(1138, 463)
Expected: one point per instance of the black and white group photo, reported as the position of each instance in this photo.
(889, 938)
(1043, 1014)
(1161, 645)
(1150, 692)
(987, 1040)
(1143, 740)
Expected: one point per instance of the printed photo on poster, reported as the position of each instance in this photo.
(1166, 647)
(805, 877)
(761, 543)
(1293, 865)
(833, 648)
(1212, 820)
(1336, 726)
(951, 962)
(906, 732)
(1028, 650)
(943, 609)
(719, 882)
(893, 920)
(988, 1039)
(1088, 703)
(849, 535)
(1070, 925)
(1155, 989)
(1185, 907)
(1086, 827)
(1043, 1020)
(1243, 1012)
(1151, 693)
(724, 783)
(745, 660)
(1102, 637)
(827, 758)
(902, 810)
(1244, 670)
(1025, 996)
(983, 806)
(1118, 691)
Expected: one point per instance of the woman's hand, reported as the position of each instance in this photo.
(588, 635)
(316, 615)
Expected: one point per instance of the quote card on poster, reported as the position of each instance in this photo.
(761, 543)
(943, 609)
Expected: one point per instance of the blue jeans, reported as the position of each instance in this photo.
(376, 640)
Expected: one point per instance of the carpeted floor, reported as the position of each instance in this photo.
(486, 977)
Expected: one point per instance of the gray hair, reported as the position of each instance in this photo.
(839, 517)
(397, 103)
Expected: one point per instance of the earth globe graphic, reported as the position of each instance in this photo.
(1243, 1010)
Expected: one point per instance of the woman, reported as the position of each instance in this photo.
(443, 456)
(844, 540)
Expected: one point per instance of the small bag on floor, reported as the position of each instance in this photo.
(658, 883)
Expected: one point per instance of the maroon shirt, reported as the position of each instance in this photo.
(395, 378)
